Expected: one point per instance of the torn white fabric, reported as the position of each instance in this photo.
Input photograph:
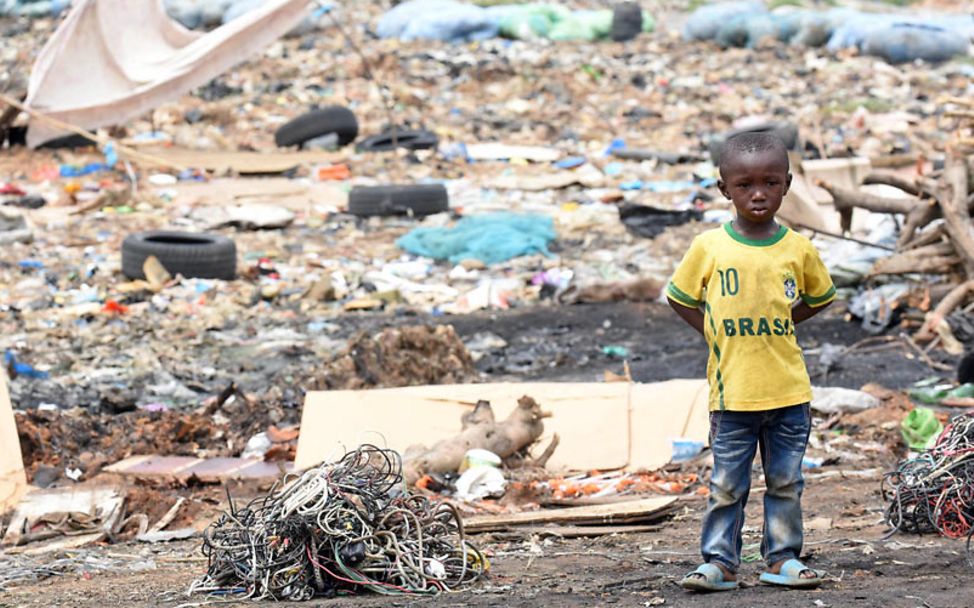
(111, 60)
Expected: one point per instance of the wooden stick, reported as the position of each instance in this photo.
(121, 149)
(929, 237)
(169, 516)
(542, 460)
(845, 201)
(952, 195)
(951, 301)
(936, 258)
(926, 212)
(897, 181)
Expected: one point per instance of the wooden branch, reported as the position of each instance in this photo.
(916, 187)
(937, 258)
(909, 264)
(542, 460)
(952, 195)
(847, 200)
(934, 235)
(926, 212)
(951, 301)
(521, 428)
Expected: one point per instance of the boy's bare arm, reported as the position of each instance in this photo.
(802, 311)
(693, 316)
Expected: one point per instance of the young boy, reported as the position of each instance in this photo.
(744, 287)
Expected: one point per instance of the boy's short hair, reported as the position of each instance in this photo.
(752, 142)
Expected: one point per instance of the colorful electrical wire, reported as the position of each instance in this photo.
(934, 492)
(340, 528)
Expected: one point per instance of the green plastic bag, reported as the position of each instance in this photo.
(583, 25)
(921, 428)
(531, 21)
(932, 395)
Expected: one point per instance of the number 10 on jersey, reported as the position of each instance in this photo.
(729, 283)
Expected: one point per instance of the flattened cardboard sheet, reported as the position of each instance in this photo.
(592, 420)
(13, 480)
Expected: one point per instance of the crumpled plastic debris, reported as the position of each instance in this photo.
(492, 239)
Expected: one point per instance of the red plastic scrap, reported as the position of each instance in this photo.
(6, 188)
(114, 308)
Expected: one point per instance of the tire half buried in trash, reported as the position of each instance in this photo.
(192, 255)
(331, 119)
(412, 199)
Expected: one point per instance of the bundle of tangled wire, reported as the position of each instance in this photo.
(934, 492)
(340, 528)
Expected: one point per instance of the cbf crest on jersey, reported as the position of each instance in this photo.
(791, 288)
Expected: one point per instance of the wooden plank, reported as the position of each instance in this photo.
(243, 163)
(13, 479)
(644, 510)
(592, 419)
(574, 531)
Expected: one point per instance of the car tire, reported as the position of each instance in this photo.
(413, 200)
(192, 255)
(68, 142)
(410, 139)
(332, 119)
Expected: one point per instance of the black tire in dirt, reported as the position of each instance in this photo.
(415, 200)
(627, 21)
(331, 119)
(409, 139)
(68, 142)
(193, 255)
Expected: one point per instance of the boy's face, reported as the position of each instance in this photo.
(756, 182)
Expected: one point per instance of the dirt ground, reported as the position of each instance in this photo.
(863, 568)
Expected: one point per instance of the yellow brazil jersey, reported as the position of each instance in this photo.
(747, 288)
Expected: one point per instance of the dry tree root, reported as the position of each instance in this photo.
(480, 430)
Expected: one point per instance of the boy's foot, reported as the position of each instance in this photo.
(791, 573)
(710, 577)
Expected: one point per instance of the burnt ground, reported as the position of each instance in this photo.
(566, 343)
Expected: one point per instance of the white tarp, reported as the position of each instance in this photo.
(112, 60)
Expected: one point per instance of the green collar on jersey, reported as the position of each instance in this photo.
(740, 238)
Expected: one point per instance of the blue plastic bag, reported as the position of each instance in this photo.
(445, 20)
(906, 42)
(706, 21)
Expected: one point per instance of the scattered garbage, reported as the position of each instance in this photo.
(454, 21)
(650, 222)
(328, 524)
(834, 400)
(897, 38)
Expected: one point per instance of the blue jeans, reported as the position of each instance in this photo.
(734, 437)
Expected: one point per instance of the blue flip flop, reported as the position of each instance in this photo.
(711, 579)
(790, 576)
